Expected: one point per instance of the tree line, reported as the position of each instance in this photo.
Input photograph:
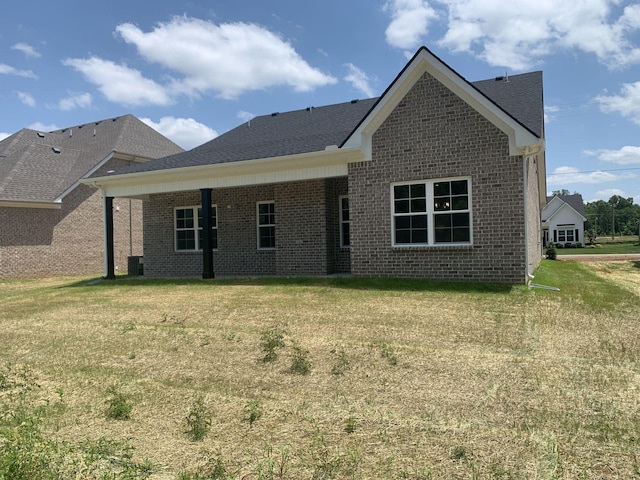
(616, 216)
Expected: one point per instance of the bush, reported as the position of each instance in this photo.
(578, 244)
(551, 252)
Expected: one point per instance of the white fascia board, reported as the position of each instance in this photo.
(307, 166)
(521, 140)
(55, 205)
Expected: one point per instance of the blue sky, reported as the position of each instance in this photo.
(195, 69)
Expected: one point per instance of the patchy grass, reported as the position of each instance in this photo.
(603, 249)
(406, 379)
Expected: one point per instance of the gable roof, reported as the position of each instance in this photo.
(556, 202)
(523, 139)
(316, 128)
(43, 167)
(321, 142)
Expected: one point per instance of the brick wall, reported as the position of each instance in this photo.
(36, 242)
(433, 134)
(303, 245)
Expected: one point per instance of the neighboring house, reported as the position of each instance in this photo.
(437, 178)
(50, 224)
(563, 220)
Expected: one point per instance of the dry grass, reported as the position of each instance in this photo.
(434, 380)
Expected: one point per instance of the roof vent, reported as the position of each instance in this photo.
(504, 78)
(71, 132)
(274, 114)
(41, 135)
(354, 101)
(309, 109)
(55, 149)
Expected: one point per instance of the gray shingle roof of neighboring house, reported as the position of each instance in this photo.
(37, 166)
(313, 129)
(574, 201)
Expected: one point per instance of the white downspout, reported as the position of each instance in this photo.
(528, 275)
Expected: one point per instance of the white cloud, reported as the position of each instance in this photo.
(41, 127)
(571, 175)
(627, 155)
(119, 83)
(626, 104)
(27, 49)
(245, 116)
(186, 132)
(409, 22)
(359, 80)
(9, 70)
(608, 193)
(75, 100)
(518, 34)
(549, 110)
(228, 59)
(27, 99)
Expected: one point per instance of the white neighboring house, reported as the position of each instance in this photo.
(563, 220)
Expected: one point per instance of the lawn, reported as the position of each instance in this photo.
(322, 378)
(602, 249)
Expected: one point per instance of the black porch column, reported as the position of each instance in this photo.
(207, 234)
(108, 238)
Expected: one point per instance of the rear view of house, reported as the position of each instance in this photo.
(50, 223)
(437, 178)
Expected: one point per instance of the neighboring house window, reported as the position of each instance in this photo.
(345, 236)
(188, 228)
(266, 225)
(432, 212)
(566, 235)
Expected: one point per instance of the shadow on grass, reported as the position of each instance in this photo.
(636, 264)
(381, 284)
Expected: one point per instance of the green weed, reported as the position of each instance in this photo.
(198, 420)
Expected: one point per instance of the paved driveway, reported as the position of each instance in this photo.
(600, 257)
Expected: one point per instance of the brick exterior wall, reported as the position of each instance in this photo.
(433, 134)
(304, 244)
(36, 242)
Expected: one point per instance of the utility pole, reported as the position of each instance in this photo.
(613, 223)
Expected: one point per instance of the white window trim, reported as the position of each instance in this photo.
(430, 214)
(266, 225)
(196, 227)
(342, 222)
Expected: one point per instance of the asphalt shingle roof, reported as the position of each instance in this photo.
(37, 166)
(313, 129)
(574, 201)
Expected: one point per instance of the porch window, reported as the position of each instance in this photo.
(345, 238)
(266, 225)
(188, 228)
(431, 212)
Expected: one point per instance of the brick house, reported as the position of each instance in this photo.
(437, 178)
(563, 220)
(50, 223)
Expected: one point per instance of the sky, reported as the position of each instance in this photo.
(196, 69)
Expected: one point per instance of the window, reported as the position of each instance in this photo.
(432, 212)
(566, 235)
(266, 225)
(188, 221)
(345, 238)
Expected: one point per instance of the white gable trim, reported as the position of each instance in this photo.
(521, 140)
(566, 205)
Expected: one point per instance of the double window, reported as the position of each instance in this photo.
(188, 228)
(266, 225)
(345, 235)
(432, 212)
(566, 235)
